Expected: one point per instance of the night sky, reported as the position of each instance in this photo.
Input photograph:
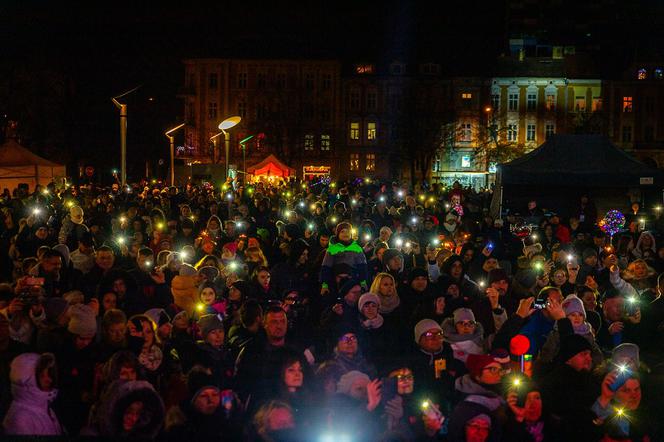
(65, 60)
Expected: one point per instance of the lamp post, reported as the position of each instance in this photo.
(214, 138)
(123, 133)
(243, 145)
(224, 126)
(171, 140)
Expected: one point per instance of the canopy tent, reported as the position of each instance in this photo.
(19, 165)
(271, 167)
(566, 165)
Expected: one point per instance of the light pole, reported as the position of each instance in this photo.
(214, 138)
(243, 145)
(224, 126)
(171, 140)
(123, 134)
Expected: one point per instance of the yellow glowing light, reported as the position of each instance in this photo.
(422, 197)
(333, 185)
(160, 226)
(192, 217)
(200, 306)
(312, 207)
(70, 204)
(123, 219)
(333, 219)
(432, 199)
(516, 382)
(121, 240)
(304, 185)
(45, 192)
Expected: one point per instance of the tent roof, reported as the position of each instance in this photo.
(578, 160)
(13, 154)
(272, 164)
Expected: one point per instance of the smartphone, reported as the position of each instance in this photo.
(33, 280)
(489, 246)
(623, 376)
(430, 411)
(541, 302)
(389, 389)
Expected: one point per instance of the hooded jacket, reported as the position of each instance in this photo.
(339, 253)
(30, 412)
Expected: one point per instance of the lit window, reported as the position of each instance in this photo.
(466, 96)
(465, 161)
(354, 161)
(513, 102)
(308, 142)
(212, 81)
(354, 131)
(627, 104)
(242, 80)
(531, 101)
(371, 100)
(550, 102)
(325, 142)
(597, 104)
(364, 69)
(580, 104)
(466, 132)
(530, 132)
(512, 132)
(212, 111)
(641, 74)
(627, 134)
(371, 131)
(549, 130)
(371, 162)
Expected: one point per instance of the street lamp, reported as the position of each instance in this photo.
(171, 140)
(224, 126)
(244, 156)
(123, 133)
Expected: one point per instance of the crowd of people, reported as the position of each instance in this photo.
(326, 311)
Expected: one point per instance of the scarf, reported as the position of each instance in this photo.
(374, 323)
(151, 359)
(389, 303)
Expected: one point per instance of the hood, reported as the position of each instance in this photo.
(64, 251)
(24, 382)
(118, 396)
(451, 335)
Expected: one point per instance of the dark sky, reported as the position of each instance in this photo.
(100, 49)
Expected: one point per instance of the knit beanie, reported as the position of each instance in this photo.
(346, 382)
(199, 380)
(368, 297)
(297, 248)
(571, 345)
(187, 270)
(496, 275)
(82, 321)
(209, 272)
(208, 323)
(416, 273)
(54, 308)
(423, 326)
(463, 314)
(476, 363)
(572, 304)
(626, 353)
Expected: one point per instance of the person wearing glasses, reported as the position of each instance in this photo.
(464, 333)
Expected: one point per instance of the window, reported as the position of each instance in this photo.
(430, 68)
(627, 134)
(513, 102)
(355, 100)
(371, 162)
(495, 102)
(512, 132)
(531, 101)
(354, 161)
(242, 80)
(435, 164)
(260, 80)
(550, 102)
(212, 111)
(627, 104)
(466, 132)
(580, 104)
(597, 104)
(242, 109)
(355, 131)
(327, 81)
(308, 142)
(465, 161)
(309, 80)
(325, 142)
(371, 100)
(641, 74)
(530, 132)
(281, 80)
(371, 131)
(466, 96)
(213, 81)
(648, 133)
(549, 130)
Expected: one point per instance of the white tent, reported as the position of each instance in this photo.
(19, 165)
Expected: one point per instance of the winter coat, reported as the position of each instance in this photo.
(338, 253)
(106, 419)
(30, 413)
(477, 395)
(562, 328)
(463, 345)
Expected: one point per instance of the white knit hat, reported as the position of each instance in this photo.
(423, 326)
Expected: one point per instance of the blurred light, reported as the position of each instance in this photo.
(516, 382)
(45, 192)
(367, 237)
(399, 242)
(312, 207)
(413, 220)
(482, 284)
(160, 226)
(334, 219)
(353, 201)
(121, 240)
(184, 255)
(311, 226)
(400, 193)
(287, 213)
(301, 204)
(148, 264)
(229, 196)
(232, 265)
(123, 219)
(447, 205)
(333, 185)
(435, 241)
(534, 236)
(381, 198)
(36, 211)
(200, 306)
